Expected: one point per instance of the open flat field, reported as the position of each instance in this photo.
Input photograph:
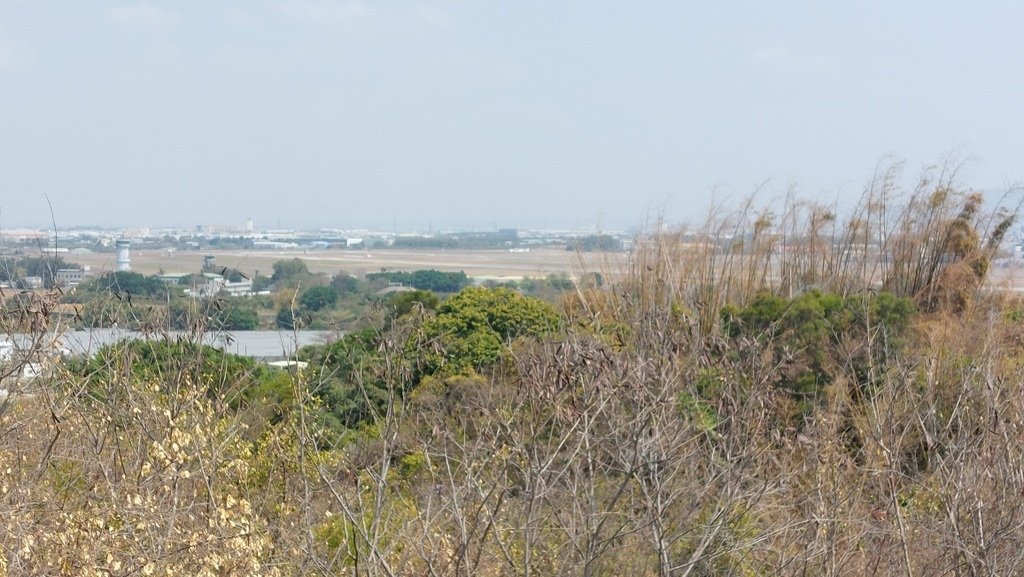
(475, 263)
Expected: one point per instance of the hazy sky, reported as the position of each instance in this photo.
(481, 114)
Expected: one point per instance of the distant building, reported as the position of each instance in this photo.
(265, 244)
(237, 289)
(71, 277)
(215, 284)
(172, 277)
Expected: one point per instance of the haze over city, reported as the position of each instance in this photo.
(462, 115)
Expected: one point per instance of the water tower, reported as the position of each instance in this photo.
(124, 261)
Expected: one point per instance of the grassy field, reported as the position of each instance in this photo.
(496, 264)
(475, 263)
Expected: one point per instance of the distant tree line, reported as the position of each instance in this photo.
(425, 242)
(463, 241)
(15, 270)
(128, 282)
(429, 280)
(595, 242)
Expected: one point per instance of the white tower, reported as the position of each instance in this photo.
(124, 262)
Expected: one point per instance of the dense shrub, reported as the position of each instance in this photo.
(471, 328)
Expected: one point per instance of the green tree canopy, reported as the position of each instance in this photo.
(401, 304)
(428, 280)
(238, 317)
(285, 270)
(318, 297)
(596, 242)
(344, 283)
(239, 380)
(472, 327)
(12, 269)
(129, 282)
(352, 385)
(807, 332)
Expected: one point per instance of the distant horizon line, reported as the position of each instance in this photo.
(210, 228)
(154, 231)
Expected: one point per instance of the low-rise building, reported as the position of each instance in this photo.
(71, 277)
(215, 284)
(172, 277)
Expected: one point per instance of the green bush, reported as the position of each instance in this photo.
(805, 334)
(318, 297)
(471, 328)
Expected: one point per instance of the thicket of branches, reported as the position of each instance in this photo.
(787, 393)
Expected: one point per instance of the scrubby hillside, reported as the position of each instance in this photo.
(797, 393)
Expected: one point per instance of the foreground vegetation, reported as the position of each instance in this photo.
(812, 396)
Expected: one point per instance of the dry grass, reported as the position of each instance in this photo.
(644, 439)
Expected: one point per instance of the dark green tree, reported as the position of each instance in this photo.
(428, 280)
(44, 267)
(285, 270)
(318, 297)
(351, 384)
(286, 318)
(472, 328)
(808, 335)
(344, 284)
(129, 282)
(260, 282)
(596, 242)
(238, 317)
(403, 303)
